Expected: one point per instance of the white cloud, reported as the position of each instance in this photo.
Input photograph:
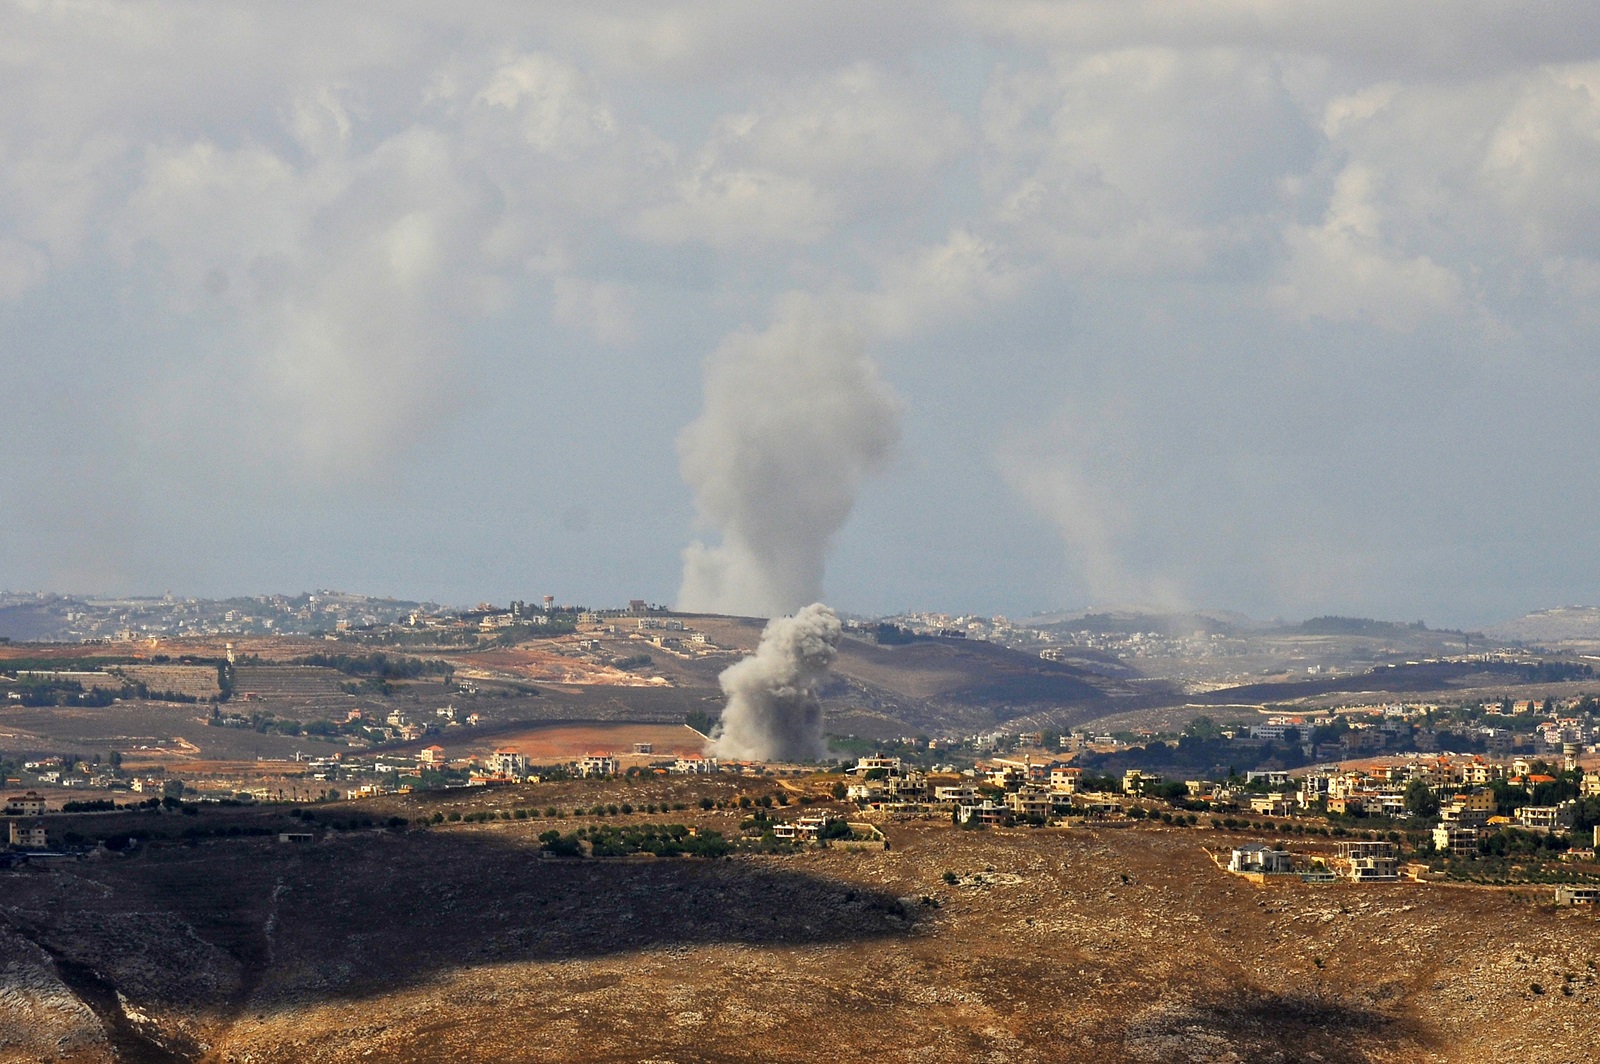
(1143, 161)
(811, 158)
(303, 236)
(1342, 269)
(934, 286)
(727, 208)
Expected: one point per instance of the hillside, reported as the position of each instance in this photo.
(1564, 624)
(937, 685)
(1110, 944)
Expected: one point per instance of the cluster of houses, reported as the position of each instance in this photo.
(1006, 791)
(1361, 861)
(22, 835)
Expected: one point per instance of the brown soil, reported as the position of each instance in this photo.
(458, 943)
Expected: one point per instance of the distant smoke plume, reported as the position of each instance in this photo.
(795, 420)
(773, 713)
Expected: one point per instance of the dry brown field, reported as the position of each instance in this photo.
(568, 742)
(458, 943)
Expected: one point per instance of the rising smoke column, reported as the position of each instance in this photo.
(773, 713)
(795, 419)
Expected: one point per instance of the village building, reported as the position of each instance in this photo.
(30, 804)
(1258, 858)
(1548, 819)
(508, 762)
(1065, 780)
(1577, 895)
(597, 765)
(1370, 862)
(985, 812)
(1457, 840)
(887, 765)
(28, 836)
(1271, 805)
(1031, 801)
(1469, 810)
(802, 829)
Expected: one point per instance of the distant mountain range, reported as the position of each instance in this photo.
(1561, 624)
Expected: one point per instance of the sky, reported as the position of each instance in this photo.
(1285, 308)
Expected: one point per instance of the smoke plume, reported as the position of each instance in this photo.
(795, 420)
(773, 713)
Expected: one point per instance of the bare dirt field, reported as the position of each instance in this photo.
(568, 742)
(459, 943)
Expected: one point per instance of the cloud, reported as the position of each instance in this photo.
(1343, 270)
(1238, 261)
(811, 158)
(1145, 160)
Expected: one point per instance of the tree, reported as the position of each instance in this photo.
(1420, 799)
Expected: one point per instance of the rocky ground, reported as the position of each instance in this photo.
(460, 943)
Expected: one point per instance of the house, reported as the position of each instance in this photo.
(1134, 781)
(1370, 862)
(955, 794)
(864, 790)
(508, 762)
(1008, 774)
(1270, 805)
(298, 837)
(1065, 780)
(1577, 895)
(597, 765)
(1031, 801)
(30, 804)
(887, 765)
(695, 766)
(1456, 839)
(911, 785)
(1258, 858)
(1550, 819)
(802, 829)
(28, 836)
(985, 812)
(432, 756)
(1469, 810)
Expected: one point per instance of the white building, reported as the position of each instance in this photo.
(597, 765)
